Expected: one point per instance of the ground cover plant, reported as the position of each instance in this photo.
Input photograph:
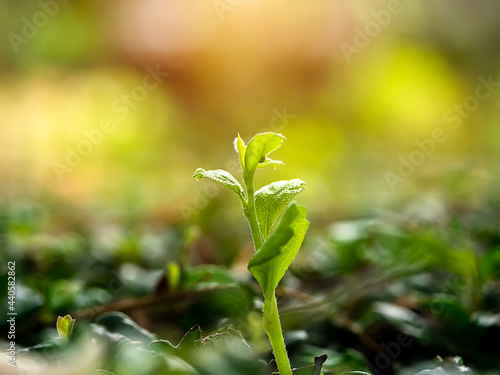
(385, 296)
(394, 294)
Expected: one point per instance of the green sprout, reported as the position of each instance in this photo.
(274, 249)
(65, 327)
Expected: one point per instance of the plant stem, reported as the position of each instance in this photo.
(272, 327)
(250, 213)
(271, 320)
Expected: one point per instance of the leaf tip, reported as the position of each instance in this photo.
(198, 173)
(278, 134)
(235, 142)
(239, 143)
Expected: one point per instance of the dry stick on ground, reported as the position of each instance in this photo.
(147, 302)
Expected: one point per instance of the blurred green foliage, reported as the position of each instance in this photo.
(126, 229)
(352, 291)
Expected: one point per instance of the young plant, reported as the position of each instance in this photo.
(65, 327)
(274, 249)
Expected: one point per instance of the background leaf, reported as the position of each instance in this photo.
(187, 342)
(272, 199)
(120, 323)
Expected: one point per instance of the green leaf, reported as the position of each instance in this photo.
(117, 322)
(436, 371)
(258, 148)
(189, 339)
(272, 199)
(186, 343)
(223, 178)
(402, 318)
(50, 348)
(65, 327)
(277, 253)
(207, 277)
(272, 247)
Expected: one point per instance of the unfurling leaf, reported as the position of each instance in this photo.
(258, 148)
(223, 178)
(272, 199)
(65, 327)
(277, 253)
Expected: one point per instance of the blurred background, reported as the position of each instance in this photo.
(349, 105)
(390, 110)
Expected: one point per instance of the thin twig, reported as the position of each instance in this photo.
(146, 302)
